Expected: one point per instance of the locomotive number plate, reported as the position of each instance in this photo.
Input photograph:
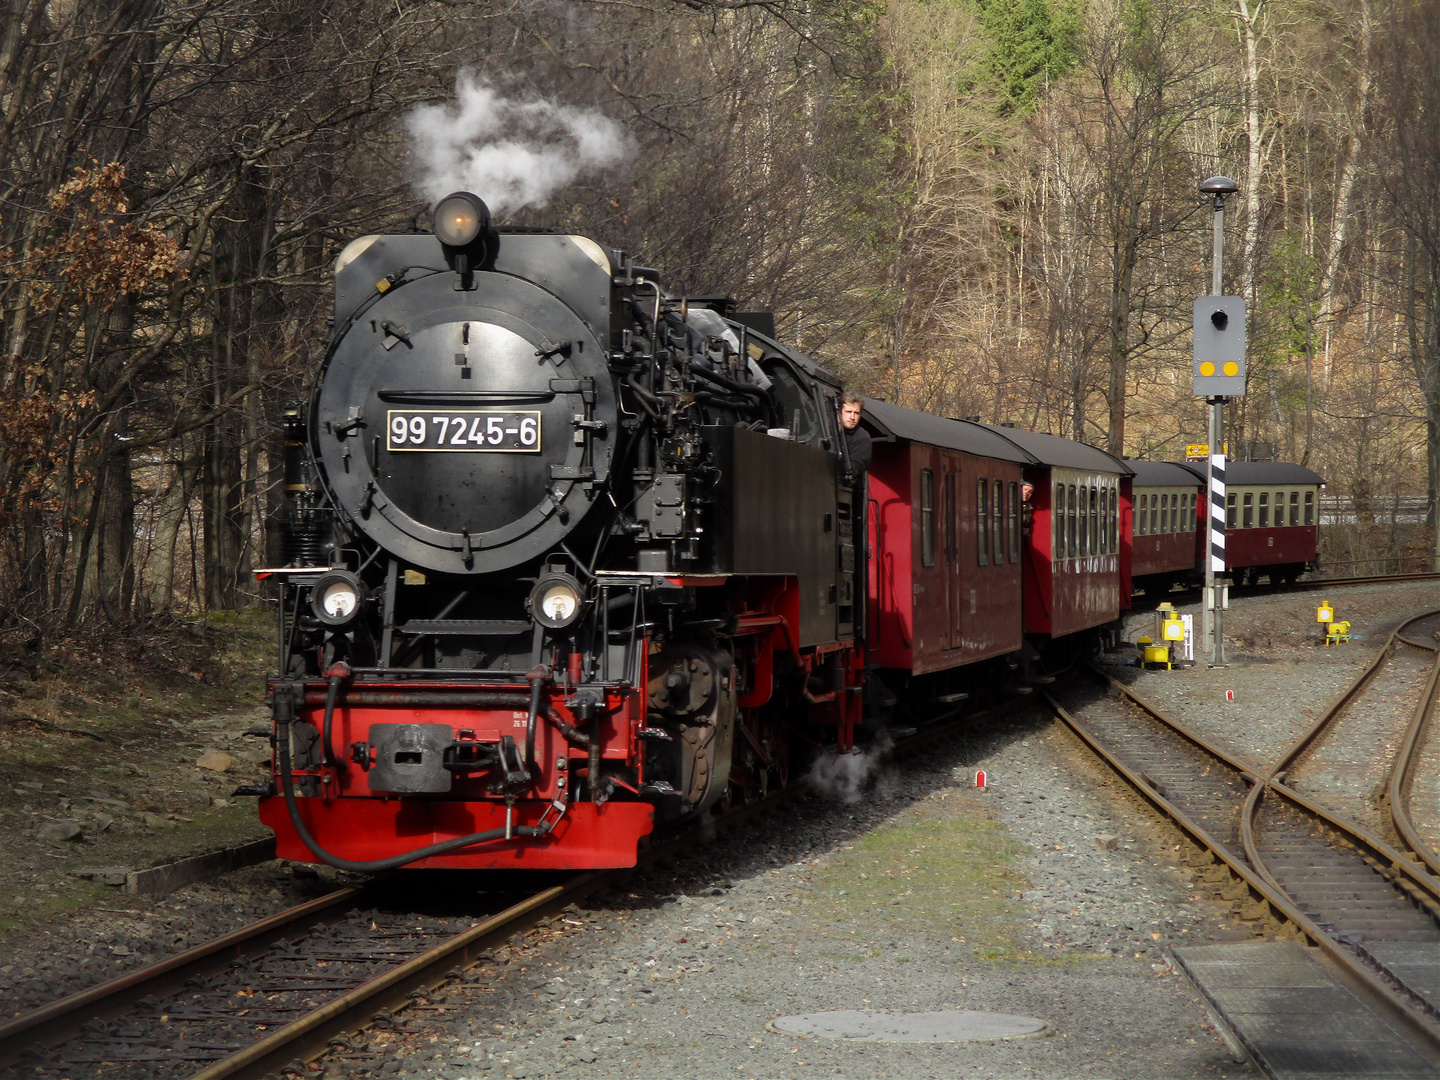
(511, 431)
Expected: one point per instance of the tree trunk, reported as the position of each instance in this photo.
(239, 241)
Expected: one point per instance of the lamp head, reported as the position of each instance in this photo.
(1219, 185)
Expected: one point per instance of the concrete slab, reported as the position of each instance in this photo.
(163, 879)
(1415, 963)
(1294, 1019)
(865, 1025)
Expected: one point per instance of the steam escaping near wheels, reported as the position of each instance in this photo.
(846, 777)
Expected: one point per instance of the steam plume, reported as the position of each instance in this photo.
(513, 153)
(846, 776)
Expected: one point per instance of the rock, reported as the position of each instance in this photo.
(103, 822)
(1105, 842)
(59, 831)
(157, 821)
(215, 761)
(104, 875)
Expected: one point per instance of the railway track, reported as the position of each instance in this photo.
(248, 1004)
(1294, 858)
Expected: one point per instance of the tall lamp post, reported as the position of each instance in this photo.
(1219, 372)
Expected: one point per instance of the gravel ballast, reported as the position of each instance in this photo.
(1052, 894)
(683, 974)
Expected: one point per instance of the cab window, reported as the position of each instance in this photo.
(796, 407)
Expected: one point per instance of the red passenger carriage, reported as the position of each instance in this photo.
(945, 522)
(1272, 520)
(1166, 541)
(1073, 561)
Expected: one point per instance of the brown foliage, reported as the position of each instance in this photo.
(101, 255)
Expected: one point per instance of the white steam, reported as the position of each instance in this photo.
(513, 153)
(845, 776)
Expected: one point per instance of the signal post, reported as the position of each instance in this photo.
(1218, 373)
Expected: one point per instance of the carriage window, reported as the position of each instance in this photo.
(1194, 521)
(1082, 542)
(1294, 508)
(1230, 510)
(1014, 521)
(1140, 516)
(1279, 509)
(1110, 516)
(1248, 518)
(1309, 508)
(982, 524)
(1264, 509)
(1057, 523)
(997, 523)
(1154, 513)
(1174, 513)
(1070, 512)
(1164, 513)
(1095, 546)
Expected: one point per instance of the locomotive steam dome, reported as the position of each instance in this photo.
(466, 430)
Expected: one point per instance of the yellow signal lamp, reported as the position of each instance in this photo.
(1324, 613)
(1168, 625)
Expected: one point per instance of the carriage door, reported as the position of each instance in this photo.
(951, 560)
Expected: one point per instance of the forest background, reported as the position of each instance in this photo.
(973, 207)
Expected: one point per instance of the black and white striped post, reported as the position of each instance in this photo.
(1215, 561)
(1219, 372)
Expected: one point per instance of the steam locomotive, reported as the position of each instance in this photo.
(569, 558)
(566, 556)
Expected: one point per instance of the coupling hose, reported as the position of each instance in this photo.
(284, 715)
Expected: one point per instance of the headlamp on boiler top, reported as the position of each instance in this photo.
(460, 218)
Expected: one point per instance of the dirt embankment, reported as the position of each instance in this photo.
(122, 751)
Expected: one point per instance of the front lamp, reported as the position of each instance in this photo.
(336, 597)
(460, 219)
(555, 601)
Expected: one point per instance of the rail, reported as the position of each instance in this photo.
(1413, 876)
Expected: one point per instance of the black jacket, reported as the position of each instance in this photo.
(860, 447)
